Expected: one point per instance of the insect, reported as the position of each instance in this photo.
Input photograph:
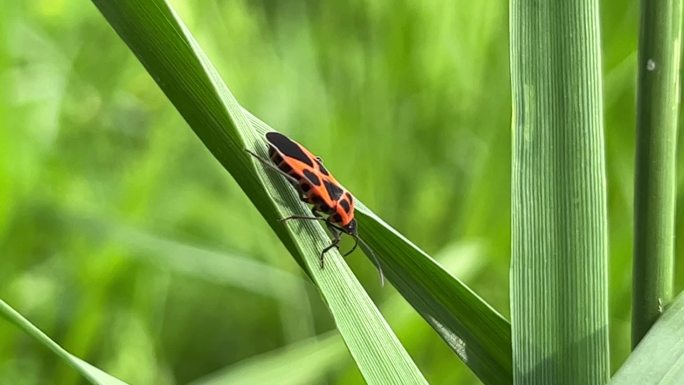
(331, 203)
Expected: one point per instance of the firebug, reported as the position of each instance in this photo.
(331, 203)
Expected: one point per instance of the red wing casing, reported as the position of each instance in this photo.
(320, 187)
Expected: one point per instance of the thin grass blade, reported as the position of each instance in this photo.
(660, 45)
(91, 373)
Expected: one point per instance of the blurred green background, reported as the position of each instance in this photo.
(125, 241)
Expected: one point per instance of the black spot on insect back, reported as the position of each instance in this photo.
(345, 205)
(334, 190)
(312, 177)
(305, 187)
(288, 147)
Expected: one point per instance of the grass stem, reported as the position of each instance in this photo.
(655, 179)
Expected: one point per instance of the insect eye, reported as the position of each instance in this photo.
(305, 187)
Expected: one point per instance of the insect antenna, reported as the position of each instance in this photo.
(368, 250)
(356, 242)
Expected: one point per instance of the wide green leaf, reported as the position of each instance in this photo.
(93, 374)
(476, 332)
(559, 261)
(659, 358)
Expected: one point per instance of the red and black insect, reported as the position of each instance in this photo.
(331, 202)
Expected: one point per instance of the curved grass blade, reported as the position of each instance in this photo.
(476, 332)
(174, 59)
(659, 358)
(91, 373)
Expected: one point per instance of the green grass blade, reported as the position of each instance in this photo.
(559, 291)
(91, 373)
(659, 357)
(654, 184)
(476, 332)
(173, 58)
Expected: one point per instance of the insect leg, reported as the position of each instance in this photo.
(304, 217)
(333, 229)
(356, 243)
(316, 216)
(335, 242)
(370, 252)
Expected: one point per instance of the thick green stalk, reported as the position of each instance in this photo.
(559, 231)
(654, 188)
